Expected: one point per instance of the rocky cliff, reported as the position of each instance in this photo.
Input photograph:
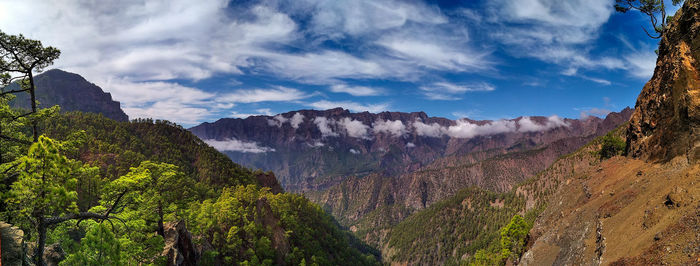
(643, 209)
(666, 121)
(73, 93)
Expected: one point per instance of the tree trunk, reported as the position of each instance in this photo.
(161, 228)
(32, 92)
(41, 242)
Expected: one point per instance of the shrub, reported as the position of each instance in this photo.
(612, 146)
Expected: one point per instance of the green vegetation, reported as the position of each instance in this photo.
(612, 145)
(654, 9)
(104, 190)
(460, 225)
(510, 246)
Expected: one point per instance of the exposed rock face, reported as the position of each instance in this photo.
(73, 93)
(270, 181)
(13, 248)
(639, 212)
(179, 249)
(54, 254)
(666, 121)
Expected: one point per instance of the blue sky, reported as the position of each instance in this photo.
(194, 62)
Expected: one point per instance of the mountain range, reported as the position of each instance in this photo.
(423, 190)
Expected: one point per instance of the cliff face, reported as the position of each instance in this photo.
(73, 93)
(666, 121)
(643, 209)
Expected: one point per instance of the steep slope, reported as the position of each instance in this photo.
(73, 93)
(642, 209)
(378, 201)
(453, 230)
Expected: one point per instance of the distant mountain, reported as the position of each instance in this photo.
(372, 171)
(73, 93)
(314, 150)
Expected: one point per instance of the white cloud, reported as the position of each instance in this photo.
(354, 128)
(279, 94)
(316, 144)
(356, 90)
(335, 19)
(449, 91)
(434, 53)
(559, 32)
(325, 126)
(136, 41)
(352, 106)
(237, 146)
(396, 127)
(526, 124)
(429, 130)
(641, 64)
(262, 111)
(354, 151)
(410, 145)
(594, 112)
(466, 129)
(296, 120)
(277, 121)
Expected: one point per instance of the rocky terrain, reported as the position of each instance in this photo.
(643, 209)
(73, 93)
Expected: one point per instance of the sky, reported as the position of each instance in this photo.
(198, 61)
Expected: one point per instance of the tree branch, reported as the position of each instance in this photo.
(75, 216)
(12, 91)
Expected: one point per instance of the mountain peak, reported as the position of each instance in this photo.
(73, 93)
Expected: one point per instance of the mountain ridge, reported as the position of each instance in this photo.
(393, 142)
(72, 92)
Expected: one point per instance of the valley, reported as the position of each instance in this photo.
(283, 148)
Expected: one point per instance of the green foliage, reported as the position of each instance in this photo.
(458, 225)
(46, 182)
(612, 146)
(654, 9)
(221, 201)
(98, 247)
(513, 237)
(116, 147)
(247, 224)
(160, 191)
(509, 247)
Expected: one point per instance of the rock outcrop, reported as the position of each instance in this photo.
(666, 120)
(179, 248)
(631, 211)
(73, 93)
(13, 250)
